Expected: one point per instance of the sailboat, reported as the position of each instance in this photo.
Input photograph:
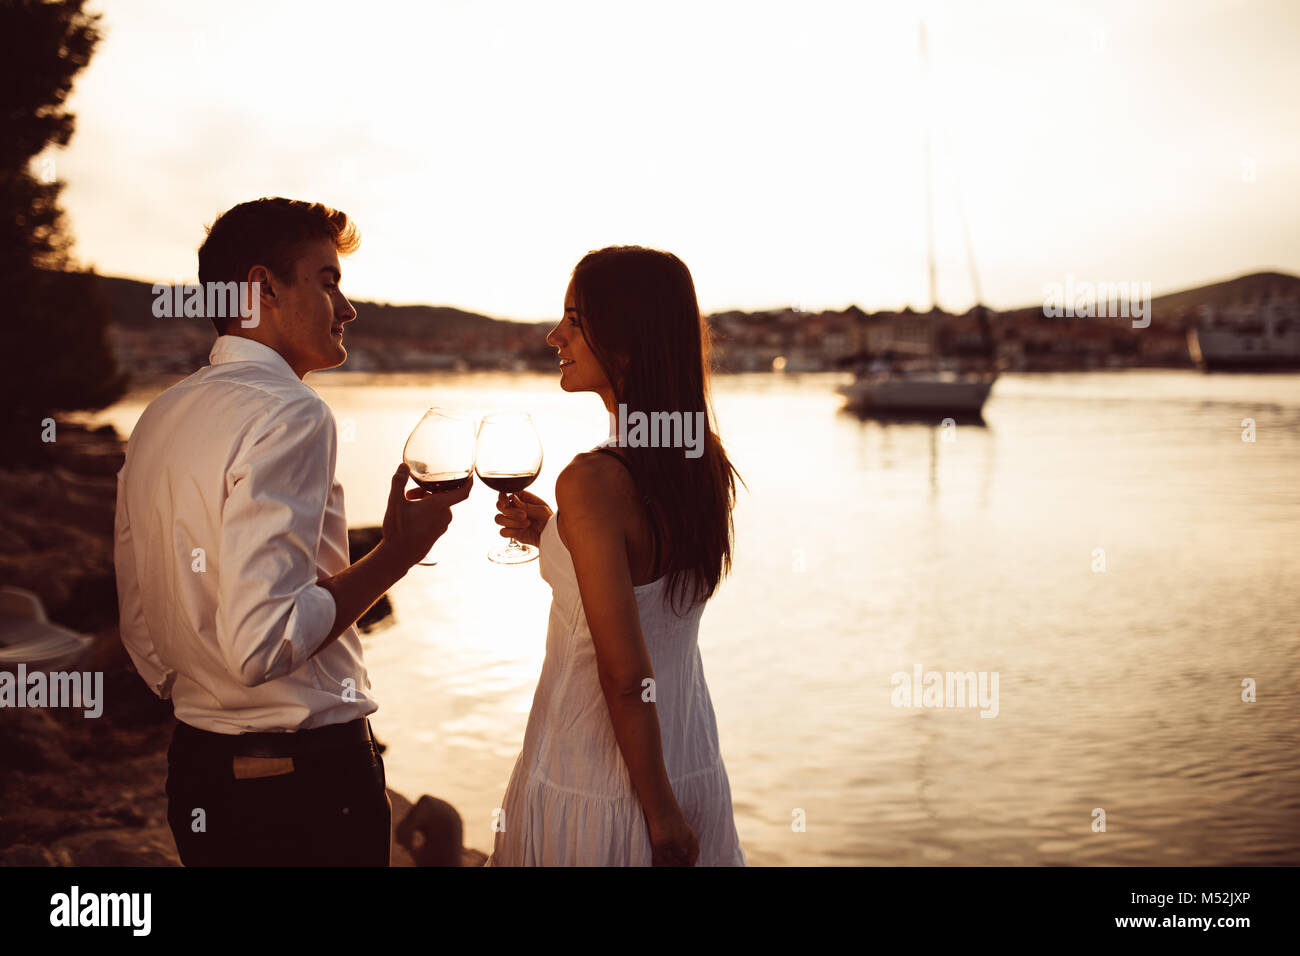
(945, 394)
(880, 389)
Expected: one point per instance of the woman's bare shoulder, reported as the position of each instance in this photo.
(593, 481)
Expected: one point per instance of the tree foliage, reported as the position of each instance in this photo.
(57, 353)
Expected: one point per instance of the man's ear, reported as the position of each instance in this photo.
(266, 286)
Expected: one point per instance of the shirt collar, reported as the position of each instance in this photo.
(236, 348)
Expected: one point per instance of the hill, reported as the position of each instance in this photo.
(383, 337)
(1252, 288)
(423, 338)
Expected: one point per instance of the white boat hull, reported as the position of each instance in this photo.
(910, 393)
(1228, 349)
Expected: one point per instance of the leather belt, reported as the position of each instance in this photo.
(295, 743)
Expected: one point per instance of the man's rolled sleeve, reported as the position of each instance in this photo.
(271, 614)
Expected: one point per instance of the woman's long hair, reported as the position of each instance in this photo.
(638, 313)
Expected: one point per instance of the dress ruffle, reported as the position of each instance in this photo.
(545, 825)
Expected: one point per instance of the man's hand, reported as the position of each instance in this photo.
(417, 518)
(412, 523)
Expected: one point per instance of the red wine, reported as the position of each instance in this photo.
(508, 483)
(441, 484)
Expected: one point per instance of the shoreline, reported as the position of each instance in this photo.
(80, 791)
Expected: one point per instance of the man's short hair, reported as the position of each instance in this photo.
(271, 233)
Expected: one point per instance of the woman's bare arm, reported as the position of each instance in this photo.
(591, 524)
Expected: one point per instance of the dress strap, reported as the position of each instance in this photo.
(654, 528)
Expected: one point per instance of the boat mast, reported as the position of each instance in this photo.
(929, 182)
(929, 215)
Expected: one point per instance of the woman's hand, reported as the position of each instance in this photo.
(522, 516)
(673, 842)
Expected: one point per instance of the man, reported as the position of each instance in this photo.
(235, 593)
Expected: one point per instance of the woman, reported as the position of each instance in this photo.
(620, 764)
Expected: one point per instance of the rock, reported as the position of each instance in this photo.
(31, 739)
(128, 847)
(25, 854)
(433, 833)
(361, 541)
(379, 612)
(125, 815)
(398, 854)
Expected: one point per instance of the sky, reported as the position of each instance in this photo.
(777, 148)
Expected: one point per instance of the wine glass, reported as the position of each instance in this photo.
(507, 459)
(440, 453)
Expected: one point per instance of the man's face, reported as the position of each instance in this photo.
(311, 311)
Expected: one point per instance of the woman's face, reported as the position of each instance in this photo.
(579, 369)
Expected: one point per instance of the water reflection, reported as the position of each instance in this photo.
(865, 548)
(938, 433)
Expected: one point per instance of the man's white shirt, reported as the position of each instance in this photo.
(228, 513)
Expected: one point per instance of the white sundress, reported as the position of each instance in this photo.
(570, 800)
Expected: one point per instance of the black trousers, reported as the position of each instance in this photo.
(331, 809)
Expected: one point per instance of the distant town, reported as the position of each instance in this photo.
(1263, 308)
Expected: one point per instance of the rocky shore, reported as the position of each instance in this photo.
(80, 792)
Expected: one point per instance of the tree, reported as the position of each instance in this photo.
(58, 357)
